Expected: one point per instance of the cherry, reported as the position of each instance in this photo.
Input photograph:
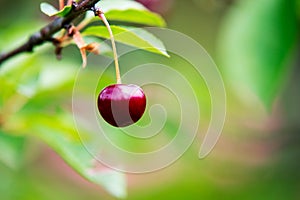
(121, 105)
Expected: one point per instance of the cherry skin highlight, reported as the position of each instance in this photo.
(122, 105)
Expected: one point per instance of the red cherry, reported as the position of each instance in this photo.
(121, 105)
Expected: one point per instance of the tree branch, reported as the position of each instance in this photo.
(45, 34)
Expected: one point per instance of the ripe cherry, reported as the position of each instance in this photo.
(121, 105)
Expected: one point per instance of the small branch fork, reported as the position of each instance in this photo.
(45, 34)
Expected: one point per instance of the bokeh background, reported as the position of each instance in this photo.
(257, 155)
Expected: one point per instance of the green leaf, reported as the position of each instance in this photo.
(144, 17)
(256, 44)
(48, 9)
(127, 11)
(135, 37)
(130, 11)
(12, 150)
(60, 133)
(64, 11)
(43, 117)
(108, 5)
(51, 11)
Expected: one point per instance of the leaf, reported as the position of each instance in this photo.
(108, 5)
(48, 9)
(111, 180)
(135, 37)
(64, 11)
(144, 17)
(12, 150)
(130, 11)
(60, 133)
(256, 43)
(51, 11)
(127, 11)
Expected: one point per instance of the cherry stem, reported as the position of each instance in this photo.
(61, 4)
(113, 43)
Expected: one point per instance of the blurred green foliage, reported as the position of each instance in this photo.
(257, 44)
(36, 94)
(256, 157)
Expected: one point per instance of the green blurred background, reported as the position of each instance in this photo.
(257, 155)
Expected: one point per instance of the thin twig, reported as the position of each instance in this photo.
(45, 34)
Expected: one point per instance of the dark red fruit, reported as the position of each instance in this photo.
(121, 105)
